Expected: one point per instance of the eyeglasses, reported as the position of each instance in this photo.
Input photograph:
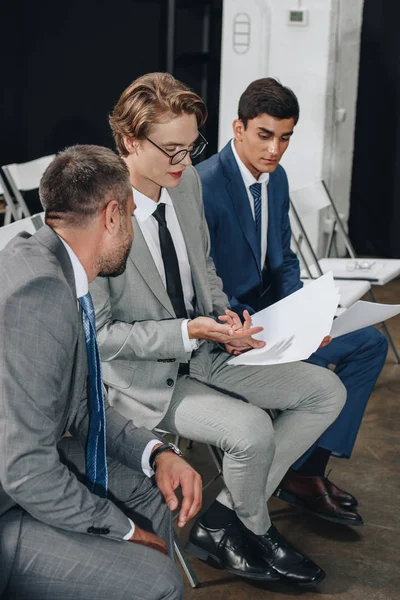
(175, 159)
(353, 265)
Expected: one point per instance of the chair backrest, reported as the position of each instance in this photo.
(310, 198)
(11, 208)
(23, 177)
(304, 203)
(313, 198)
(26, 176)
(30, 224)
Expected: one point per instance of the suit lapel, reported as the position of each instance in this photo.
(240, 200)
(140, 255)
(193, 241)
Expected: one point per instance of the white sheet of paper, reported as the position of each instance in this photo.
(295, 326)
(362, 314)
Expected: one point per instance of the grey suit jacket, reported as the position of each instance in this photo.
(139, 335)
(43, 376)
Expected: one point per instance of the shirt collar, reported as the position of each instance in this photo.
(145, 206)
(81, 280)
(248, 177)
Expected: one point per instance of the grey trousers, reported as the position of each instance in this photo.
(52, 564)
(228, 412)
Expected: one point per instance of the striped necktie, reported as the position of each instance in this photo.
(255, 190)
(96, 462)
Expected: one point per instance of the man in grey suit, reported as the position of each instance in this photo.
(80, 517)
(165, 353)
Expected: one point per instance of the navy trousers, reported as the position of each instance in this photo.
(358, 358)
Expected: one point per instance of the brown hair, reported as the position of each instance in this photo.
(152, 98)
(80, 182)
(268, 96)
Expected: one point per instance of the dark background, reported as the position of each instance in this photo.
(375, 195)
(64, 66)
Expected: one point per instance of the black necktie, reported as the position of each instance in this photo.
(171, 265)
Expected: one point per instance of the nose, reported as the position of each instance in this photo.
(273, 146)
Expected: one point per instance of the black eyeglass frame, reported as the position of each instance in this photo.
(194, 153)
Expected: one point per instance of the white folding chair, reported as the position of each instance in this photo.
(30, 224)
(24, 177)
(10, 207)
(353, 275)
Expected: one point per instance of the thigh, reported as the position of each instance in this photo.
(272, 386)
(52, 564)
(202, 413)
(363, 341)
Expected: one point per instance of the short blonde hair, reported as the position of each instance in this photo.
(152, 98)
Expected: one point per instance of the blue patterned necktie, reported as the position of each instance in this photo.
(96, 463)
(255, 190)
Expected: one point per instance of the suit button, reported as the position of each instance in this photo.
(105, 531)
(91, 529)
(170, 382)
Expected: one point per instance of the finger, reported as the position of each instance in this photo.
(188, 495)
(244, 333)
(222, 329)
(257, 343)
(167, 491)
(197, 499)
(226, 319)
(247, 320)
(234, 316)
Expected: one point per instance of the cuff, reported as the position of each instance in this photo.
(189, 345)
(132, 531)
(146, 457)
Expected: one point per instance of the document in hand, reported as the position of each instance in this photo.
(295, 326)
(362, 314)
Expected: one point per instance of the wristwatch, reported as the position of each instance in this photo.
(160, 450)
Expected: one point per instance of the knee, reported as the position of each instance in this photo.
(377, 342)
(254, 435)
(172, 588)
(330, 391)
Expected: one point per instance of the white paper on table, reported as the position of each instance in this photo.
(295, 326)
(362, 314)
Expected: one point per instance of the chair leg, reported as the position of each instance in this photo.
(186, 566)
(386, 333)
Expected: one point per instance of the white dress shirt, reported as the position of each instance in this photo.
(82, 288)
(145, 208)
(249, 179)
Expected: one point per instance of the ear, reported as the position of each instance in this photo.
(131, 144)
(112, 217)
(238, 129)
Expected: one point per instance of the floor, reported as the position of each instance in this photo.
(361, 563)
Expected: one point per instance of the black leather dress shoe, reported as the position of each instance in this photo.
(292, 566)
(345, 499)
(229, 548)
(311, 494)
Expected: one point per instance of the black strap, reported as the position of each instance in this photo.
(171, 264)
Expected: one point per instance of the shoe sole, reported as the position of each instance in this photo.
(214, 561)
(291, 499)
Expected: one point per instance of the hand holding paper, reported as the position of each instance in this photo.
(294, 327)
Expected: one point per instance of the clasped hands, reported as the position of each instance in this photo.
(237, 337)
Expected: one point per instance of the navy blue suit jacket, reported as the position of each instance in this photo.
(234, 245)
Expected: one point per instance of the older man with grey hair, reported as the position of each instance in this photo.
(80, 517)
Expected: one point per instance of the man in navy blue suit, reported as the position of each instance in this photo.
(246, 198)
